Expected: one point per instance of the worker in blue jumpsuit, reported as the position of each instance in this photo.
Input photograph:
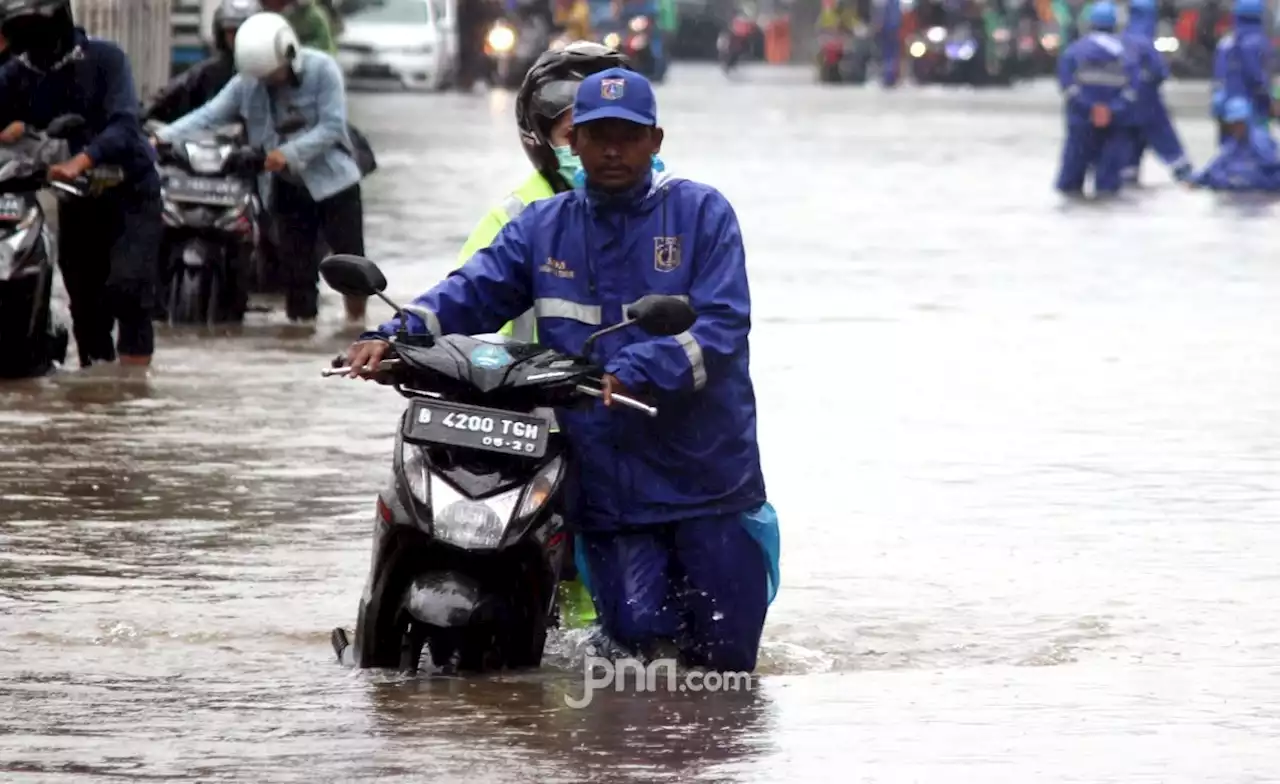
(1154, 128)
(679, 544)
(1099, 78)
(1247, 160)
(888, 36)
(1242, 64)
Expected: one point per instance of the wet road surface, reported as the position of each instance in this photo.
(1025, 457)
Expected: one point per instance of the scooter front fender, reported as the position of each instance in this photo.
(447, 600)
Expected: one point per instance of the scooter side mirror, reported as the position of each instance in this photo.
(352, 275)
(65, 124)
(661, 315)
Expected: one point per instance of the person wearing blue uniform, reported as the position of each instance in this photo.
(1247, 160)
(1099, 79)
(1242, 64)
(888, 35)
(676, 539)
(108, 244)
(1154, 128)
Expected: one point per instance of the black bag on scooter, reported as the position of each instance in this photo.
(362, 151)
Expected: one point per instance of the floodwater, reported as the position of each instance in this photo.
(1026, 457)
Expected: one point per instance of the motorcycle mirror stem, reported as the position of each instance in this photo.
(591, 339)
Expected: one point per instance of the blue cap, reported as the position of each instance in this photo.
(618, 94)
(1142, 6)
(1102, 15)
(1237, 110)
(1249, 9)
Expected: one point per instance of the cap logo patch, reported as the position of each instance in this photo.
(612, 89)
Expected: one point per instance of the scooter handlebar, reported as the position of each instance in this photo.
(339, 368)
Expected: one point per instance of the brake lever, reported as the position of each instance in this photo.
(383, 366)
(629, 402)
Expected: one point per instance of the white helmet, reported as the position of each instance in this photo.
(264, 43)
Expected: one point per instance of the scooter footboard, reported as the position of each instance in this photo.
(447, 599)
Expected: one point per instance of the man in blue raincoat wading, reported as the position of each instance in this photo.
(1242, 64)
(888, 31)
(1099, 79)
(676, 539)
(1154, 129)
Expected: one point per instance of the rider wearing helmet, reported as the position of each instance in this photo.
(543, 116)
(197, 85)
(108, 242)
(315, 189)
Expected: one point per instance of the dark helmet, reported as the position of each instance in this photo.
(41, 29)
(229, 16)
(548, 91)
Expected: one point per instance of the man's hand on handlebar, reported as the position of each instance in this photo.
(69, 170)
(363, 357)
(12, 133)
(612, 386)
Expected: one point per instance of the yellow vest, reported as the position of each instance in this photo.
(533, 189)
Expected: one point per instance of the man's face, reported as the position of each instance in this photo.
(1237, 130)
(615, 154)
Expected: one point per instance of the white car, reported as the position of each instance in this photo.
(410, 43)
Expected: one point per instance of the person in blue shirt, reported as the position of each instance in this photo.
(1242, 64)
(312, 179)
(1099, 78)
(1247, 160)
(108, 244)
(677, 542)
(1154, 128)
(888, 28)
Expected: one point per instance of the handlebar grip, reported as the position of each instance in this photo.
(629, 402)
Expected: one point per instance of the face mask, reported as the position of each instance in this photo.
(570, 165)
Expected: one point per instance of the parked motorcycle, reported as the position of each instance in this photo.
(470, 539)
(844, 57)
(635, 37)
(32, 340)
(512, 48)
(212, 216)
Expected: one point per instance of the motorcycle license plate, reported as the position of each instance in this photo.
(473, 427)
(11, 207)
(204, 190)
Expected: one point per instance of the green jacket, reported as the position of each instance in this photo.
(533, 189)
(311, 24)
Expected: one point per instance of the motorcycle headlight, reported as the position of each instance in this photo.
(501, 38)
(1000, 36)
(1049, 41)
(205, 159)
(936, 34)
(918, 49)
(1167, 44)
(639, 24)
(467, 523)
(612, 40)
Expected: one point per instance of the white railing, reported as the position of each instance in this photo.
(141, 27)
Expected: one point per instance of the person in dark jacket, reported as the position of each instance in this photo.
(677, 539)
(197, 85)
(108, 243)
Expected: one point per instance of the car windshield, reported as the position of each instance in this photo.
(396, 11)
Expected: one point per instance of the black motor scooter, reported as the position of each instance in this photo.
(32, 340)
(470, 539)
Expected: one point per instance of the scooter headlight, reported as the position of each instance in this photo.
(936, 34)
(471, 524)
(613, 40)
(205, 159)
(1166, 44)
(501, 38)
(639, 24)
(1049, 41)
(13, 246)
(1000, 35)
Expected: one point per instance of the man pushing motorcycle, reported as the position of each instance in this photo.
(678, 540)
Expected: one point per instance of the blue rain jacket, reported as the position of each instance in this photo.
(579, 260)
(887, 15)
(1249, 164)
(1099, 69)
(1140, 36)
(95, 82)
(1242, 67)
